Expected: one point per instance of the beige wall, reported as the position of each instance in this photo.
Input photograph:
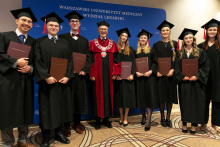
(183, 13)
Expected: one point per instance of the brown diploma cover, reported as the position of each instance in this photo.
(79, 61)
(190, 67)
(125, 69)
(164, 65)
(58, 68)
(142, 64)
(18, 50)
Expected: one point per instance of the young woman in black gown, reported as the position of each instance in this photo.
(146, 86)
(212, 49)
(191, 89)
(166, 85)
(124, 90)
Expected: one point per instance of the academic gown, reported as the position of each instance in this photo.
(146, 87)
(166, 86)
(102, 68)
(192, 93)
(55, 100)
(124, 90)
(80, 84)
(16, 88)
(213, 84)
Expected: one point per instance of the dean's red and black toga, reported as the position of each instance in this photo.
(105, 62)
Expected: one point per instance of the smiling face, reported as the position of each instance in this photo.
(188, 39)
(143, 40)
(124, 37)
(103, 31)
(165, 32)
(74, 24)
(212, 32)
(53, 28)
(24, 24)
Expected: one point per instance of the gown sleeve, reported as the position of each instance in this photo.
(178, 69)
(117, 62)
(173, 62)
(70, 67)
(154, 66)
(86, 68)
(133, 68)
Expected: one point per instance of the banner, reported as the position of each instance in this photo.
(118, 16)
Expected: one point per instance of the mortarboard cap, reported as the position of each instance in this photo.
(211, 23)
(103, 23)
(24, 12)
(52, 17)
(74, 15)
(165, 24)
(125, 30)
(187, 32)
(144, 32)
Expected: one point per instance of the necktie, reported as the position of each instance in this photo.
(103, 41)
(54, 39)
(77, 35)
(22, 38)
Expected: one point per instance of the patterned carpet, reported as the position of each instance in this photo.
(133, 135)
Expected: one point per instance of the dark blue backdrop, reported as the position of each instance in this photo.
(118, 16)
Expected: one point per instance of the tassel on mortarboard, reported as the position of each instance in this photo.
(45, 27)
(204, 33)
(78, 31)
(177, 48)
(149, 40)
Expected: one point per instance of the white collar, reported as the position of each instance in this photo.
(73, 33)
(189, 50)
(19, 33)
(49, 36)
(103, 38)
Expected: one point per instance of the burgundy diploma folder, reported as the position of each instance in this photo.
(190, 67)
(58, 68)
(125, 69)
(142, 64)
(164, 65)
(79, 61)
(18, 50)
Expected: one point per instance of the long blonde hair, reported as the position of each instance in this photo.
(126, 48)
(195, 52)
(146, 48)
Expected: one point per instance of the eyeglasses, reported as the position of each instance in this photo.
(103, 29)
(56, 26)
(26, 21)
(74, 21)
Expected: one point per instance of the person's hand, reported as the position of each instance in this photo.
(159, 75)
(82, 73)
(24, 69)
(118, 78)
(114, 77)
(92, 78)
(64, 80)
(185, 78)
(22, 62)
(193, 78)
(170, 74)
(130, 78)
(139, 74)
(147, 74)
(51, 80)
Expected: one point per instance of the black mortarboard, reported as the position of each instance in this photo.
(52, 17)
(165, 24)
(187, 32)
(211, 23)
(103, 23)
(144, 32)
(125, 30)
(24, 12)
(74, 15)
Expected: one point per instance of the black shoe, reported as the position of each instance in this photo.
(62, 138)
(120, 123)
(142, 122)
(169, 123)
(184, 131)
(45, 142)
(192, 132)
(107, 123)
(163, 123)
(125, 124)
(147, 128)
(97, 126)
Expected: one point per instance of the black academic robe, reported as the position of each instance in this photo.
(192, 93)
(124, 90)
(55, 100)
(146, 87)
(213, 84)
(16, 89)
(80, 85)
(166, 86)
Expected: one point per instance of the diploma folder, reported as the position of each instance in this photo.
(79, 61)
(18, 50)
(125, 69)
(164, 65)
(190, 67)
(58, 68)
(142, 64)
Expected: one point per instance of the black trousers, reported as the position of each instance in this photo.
(77, 119)
(46, 133)
(193, 124)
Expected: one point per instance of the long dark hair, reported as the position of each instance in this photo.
(217, 40)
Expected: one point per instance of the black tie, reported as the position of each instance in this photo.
(54, 39)
(103, 41)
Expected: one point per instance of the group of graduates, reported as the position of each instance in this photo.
(63, 101)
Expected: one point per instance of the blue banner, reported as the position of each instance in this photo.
(118, 16)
